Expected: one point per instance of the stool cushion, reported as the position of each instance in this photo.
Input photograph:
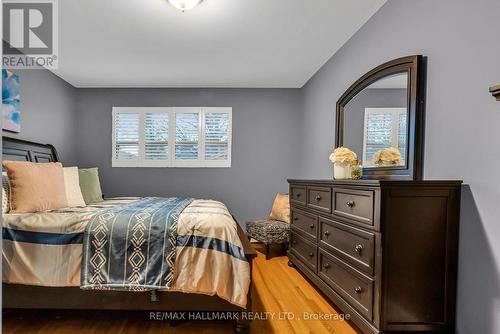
(269, 231)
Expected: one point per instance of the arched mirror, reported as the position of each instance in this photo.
(381, 118)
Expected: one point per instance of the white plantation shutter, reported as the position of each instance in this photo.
(172, 137)
(126, 137)
(156, 136)
(187, 135)
(378, 134)
(402, 134)
(217, 136)
(384, 128)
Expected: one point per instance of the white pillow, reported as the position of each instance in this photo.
(72, 186)
(5, 193)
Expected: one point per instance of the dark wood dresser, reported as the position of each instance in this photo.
(384, 252)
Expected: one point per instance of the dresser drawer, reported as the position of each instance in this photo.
(356, 205)
(298, 194)
(320, 198)
(353, 286)
(305, 250)
(356, 246)
(305, 222)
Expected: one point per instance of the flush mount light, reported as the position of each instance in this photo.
(184, 4)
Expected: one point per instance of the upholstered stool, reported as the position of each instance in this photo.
(269, 232)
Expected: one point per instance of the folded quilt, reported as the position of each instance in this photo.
(132, 247)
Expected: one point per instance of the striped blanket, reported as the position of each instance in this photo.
(133, 246)
(45, 249)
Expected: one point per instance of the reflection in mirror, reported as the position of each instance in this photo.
(375, 122)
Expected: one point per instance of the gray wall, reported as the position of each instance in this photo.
(264, 153)
(354, 112)
(462, 126)
(48, 113)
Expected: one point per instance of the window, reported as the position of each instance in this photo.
(384, 127)
(171, 137)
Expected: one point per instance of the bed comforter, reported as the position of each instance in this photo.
(45, 249)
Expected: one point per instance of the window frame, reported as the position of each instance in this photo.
(171, 162)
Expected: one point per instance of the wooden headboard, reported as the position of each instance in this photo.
(23, 150)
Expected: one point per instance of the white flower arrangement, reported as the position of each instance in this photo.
(388, 156)
(343, 155)
(343, 159)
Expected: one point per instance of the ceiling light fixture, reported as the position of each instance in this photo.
(184, 5)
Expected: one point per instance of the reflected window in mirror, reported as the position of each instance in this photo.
(384, 128)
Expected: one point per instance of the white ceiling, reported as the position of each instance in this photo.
(221, 43)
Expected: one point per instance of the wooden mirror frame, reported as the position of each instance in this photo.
(415, 66)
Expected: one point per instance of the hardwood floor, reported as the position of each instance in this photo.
(279, 288)
(280, 292)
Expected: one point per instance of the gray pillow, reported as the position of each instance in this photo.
(90, 185)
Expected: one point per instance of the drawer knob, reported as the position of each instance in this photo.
(327, 233)
(311, 254)
(295, 218)
(298, 195)
(358, 248)
(350, 204)
(318, 197)
(294, 242)
(326, 265)
(358, 289)
(311, 226)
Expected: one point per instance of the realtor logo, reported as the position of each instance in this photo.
(30, 38)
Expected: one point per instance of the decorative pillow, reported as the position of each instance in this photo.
(281, 209)
(72, 187)
(35, 186)
(90, 185)
(5, 193)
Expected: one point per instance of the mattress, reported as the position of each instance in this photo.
(45, 249)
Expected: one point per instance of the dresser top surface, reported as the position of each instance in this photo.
(378, 183)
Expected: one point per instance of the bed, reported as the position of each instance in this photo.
(193, 288)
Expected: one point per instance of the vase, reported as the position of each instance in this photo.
(342, 171)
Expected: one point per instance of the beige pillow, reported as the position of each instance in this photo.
(281, 208)
(35, 186)
(72, 186)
